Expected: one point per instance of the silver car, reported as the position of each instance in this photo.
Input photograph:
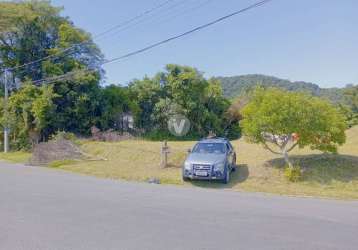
(210, 159)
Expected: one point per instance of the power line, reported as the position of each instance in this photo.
(258, 4)
(150, 17)
(138, 17)
(186, 11)
(170, 16)
(124, 26)
(156, 7)
(187, 32)
(62, 77)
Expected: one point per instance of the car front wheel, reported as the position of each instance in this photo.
(226, 180)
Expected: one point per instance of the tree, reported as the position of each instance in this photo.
(351, 95)
(38, 30)
(33, 30)
(182, 90)
(281, 121)
(351, 107)
(116, 102)
(78, 104)
(146, 93)
(29, 112)
(10, 12)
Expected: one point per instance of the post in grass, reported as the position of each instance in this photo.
(164, 154)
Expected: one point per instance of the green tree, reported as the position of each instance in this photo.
(351, 108)
(281, 120)
(34, 30)
(146, 93)
(116, 102)
(11, 12)
(78, 104)
(38, 30)
(181, 90)
(29, 112)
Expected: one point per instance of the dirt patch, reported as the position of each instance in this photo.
(56, 150)
(109, 135)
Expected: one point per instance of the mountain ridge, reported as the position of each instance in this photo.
(234, 86)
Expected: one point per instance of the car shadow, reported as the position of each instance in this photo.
(238, 176)
(322, 168)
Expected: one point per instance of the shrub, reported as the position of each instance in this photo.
(63, 135)
(293, 174)
(158, 135)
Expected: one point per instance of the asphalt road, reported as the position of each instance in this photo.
(47, 209)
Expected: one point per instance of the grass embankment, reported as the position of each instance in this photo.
(15, 157)
(333, 176)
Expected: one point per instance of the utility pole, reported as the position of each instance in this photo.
(6, 129)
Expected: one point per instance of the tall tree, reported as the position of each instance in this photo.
(30, 109)
(181, 90)
(116, 102)
(33, 30)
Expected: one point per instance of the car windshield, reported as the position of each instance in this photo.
(209, 148)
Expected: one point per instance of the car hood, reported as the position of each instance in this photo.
(205, 159)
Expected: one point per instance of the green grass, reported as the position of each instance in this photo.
(59, 163)
(334, 176)
(16, 157)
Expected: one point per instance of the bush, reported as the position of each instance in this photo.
(63, 135)
(293, 174)
(158, 135)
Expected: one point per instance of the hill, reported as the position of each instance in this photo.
(236, 85)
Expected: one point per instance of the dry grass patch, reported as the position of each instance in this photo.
(16, 157)
(333, 176)
(258, 170)
(132, 160)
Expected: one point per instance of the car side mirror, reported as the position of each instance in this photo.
(189, 150)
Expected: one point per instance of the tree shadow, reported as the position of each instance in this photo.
(240, 175)
(322, 168)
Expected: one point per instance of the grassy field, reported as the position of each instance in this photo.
(16, 157)
(334, 176)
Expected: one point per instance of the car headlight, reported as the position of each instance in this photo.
(219, 167)
(187, 165)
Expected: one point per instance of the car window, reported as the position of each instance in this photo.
(210, 148)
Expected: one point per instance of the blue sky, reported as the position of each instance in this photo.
(309, 40)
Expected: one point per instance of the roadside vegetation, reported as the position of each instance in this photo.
(258, 170)
(102, 142)
(16, 157)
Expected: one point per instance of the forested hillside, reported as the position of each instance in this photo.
(236, 85)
